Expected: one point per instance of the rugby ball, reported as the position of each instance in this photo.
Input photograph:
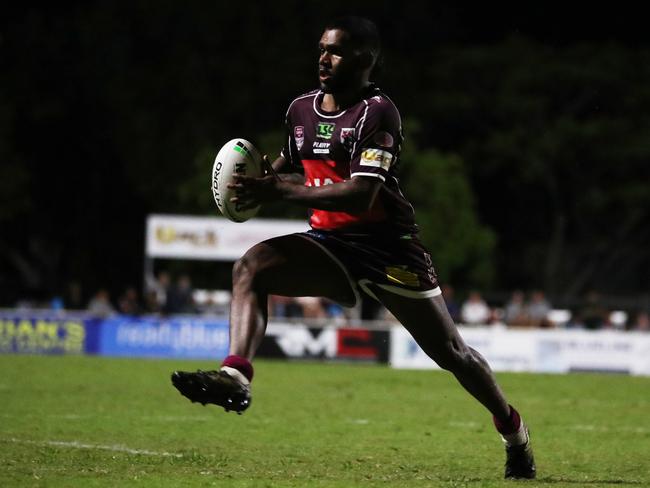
(236, 157)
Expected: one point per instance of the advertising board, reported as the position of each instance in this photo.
(544, 351)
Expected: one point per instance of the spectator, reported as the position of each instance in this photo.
(129, 303)
(474, 310)
(284, 307)
(179, 297)
(334, 311)
(100, 304)
(593, 314)
(216, 303)
(56, 303)
(73, 299)
(312, 308)
(452, 306)
(158, 289)
(641, 322)
(538, 309)
(151, 304)
(514, 313)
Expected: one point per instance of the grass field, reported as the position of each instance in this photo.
(84, 421)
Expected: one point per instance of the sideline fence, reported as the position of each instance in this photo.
(197, 337)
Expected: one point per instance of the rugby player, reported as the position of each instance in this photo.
(345, 138)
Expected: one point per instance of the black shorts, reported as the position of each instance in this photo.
(400, 265)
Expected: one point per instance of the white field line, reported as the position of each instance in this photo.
(153, 418)
(359, 421)
(604, 428)
(94, 447)
(578, 427)
(465, 425)
(179, 418)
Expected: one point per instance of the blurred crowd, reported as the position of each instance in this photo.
(534, 310)
(166, 296)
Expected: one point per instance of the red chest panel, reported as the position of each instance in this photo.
(319, 172)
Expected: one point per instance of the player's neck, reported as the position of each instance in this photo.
(333, 102)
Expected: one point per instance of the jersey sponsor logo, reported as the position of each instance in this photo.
(402, 276)
(321, 147)
(324, 130)
(319, 172)
(299, 136)
(347, 137)
(376, 158)
(320, 182)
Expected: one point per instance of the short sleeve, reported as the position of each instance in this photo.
(378, 139)
(289, 149)
(285, 152)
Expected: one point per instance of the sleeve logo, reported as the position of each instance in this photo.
(376, 158)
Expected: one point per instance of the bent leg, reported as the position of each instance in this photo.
(290, 266)
(430, 324)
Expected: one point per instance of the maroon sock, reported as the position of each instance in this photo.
(241, 364)
(509, 425)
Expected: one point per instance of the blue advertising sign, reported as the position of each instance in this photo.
(45, 333)
(174, 337)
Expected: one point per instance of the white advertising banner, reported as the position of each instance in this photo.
(544, 351)
(211, 238)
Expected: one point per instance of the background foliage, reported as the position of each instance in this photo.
(527, 132)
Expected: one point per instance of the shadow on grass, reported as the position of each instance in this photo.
(587, 482)
(550, 480)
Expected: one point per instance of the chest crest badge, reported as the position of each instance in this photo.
(299, 136)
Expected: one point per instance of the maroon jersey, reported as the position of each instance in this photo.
(362, 140)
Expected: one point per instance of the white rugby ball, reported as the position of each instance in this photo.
(236, 157)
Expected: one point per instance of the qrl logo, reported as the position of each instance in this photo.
(299, 136)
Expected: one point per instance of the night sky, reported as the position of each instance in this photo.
(102, 105)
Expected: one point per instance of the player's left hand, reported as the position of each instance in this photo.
(252, 192)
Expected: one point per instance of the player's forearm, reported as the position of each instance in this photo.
(279, 166)
(293, 178)
(348, 196)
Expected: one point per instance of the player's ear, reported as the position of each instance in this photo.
(366, 60)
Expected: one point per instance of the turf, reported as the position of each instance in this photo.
(86, 421)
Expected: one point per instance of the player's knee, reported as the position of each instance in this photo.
(247, 269)
(454, 355)
(243, 272)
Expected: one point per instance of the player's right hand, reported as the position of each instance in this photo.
(252, 192)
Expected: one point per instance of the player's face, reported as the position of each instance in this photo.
(339, 68)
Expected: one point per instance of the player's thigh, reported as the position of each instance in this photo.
(294, 266)
(427, 320)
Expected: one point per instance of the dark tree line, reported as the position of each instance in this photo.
(527, 153)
